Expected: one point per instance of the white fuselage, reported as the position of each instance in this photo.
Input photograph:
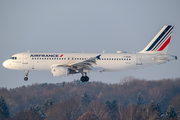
(107, 61)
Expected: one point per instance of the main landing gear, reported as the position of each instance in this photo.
(84, 78)
(26, 73)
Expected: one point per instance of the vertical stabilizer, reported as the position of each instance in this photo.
(159, 44)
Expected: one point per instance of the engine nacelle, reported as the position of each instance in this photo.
(60, 71)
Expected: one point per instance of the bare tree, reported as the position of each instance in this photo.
(156, 94)
(96, 107)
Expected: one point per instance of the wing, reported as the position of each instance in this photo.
(85, 65)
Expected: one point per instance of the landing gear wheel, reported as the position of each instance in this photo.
(84, 78)
(25, 78)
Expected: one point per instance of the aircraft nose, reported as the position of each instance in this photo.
(5, 64)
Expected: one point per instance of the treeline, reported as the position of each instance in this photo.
(132, 99)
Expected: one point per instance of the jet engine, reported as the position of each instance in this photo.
(60, 71)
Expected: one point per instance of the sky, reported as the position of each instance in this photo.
(88, 26)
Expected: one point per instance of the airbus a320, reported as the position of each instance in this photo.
(64, 64)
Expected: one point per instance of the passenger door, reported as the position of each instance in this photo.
(25, 59)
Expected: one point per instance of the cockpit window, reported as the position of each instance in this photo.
(14, 58)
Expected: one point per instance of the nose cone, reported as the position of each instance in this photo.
(5, 64)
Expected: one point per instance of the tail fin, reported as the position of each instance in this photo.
(160, 42)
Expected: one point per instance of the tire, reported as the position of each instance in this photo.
(86, 78)
(25, 78)
(83, 79)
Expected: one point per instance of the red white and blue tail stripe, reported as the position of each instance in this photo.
(160, 42)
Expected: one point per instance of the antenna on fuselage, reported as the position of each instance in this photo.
(28, 51)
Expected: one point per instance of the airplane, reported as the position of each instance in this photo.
(65, 64)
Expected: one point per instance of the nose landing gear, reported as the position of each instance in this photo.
(26, 73)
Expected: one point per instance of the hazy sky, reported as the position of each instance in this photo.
(85, 26)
